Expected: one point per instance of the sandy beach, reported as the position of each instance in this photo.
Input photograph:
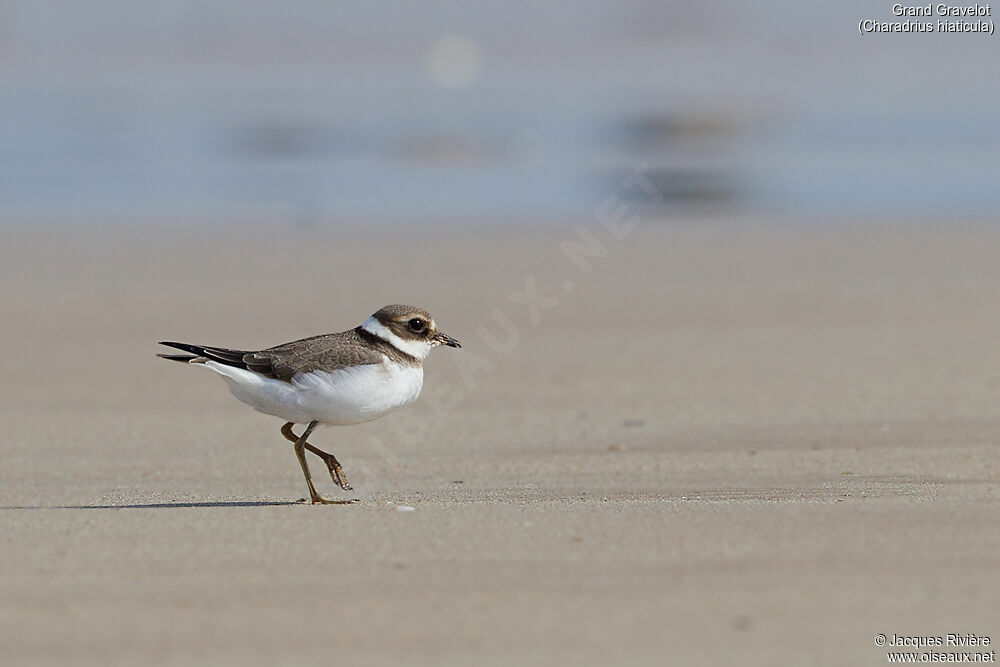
(725, 442)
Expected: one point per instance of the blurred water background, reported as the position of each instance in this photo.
(318, 113)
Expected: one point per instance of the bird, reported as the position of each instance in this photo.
(350, 377)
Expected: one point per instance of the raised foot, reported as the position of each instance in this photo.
(337, 474)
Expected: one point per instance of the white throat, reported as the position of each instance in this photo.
(415, 348)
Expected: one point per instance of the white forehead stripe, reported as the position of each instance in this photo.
(415, 348)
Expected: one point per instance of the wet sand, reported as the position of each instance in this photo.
(726, 442)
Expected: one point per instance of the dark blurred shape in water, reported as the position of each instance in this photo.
(687, 188)
(286, 139)
(700, 132)
(691, 160)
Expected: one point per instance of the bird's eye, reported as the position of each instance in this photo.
(417, 324)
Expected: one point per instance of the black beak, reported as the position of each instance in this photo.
(444, 339)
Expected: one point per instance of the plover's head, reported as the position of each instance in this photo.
(409, 329)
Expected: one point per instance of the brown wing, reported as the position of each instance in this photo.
(319, 353)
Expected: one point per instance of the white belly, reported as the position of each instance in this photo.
(346, 396)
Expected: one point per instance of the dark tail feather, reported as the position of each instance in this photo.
(220, 354)
(193, 349)
(177, 357)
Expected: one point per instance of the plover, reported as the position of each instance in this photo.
(343, 378)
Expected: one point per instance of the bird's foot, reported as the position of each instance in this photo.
(337, 473)
(323, 500)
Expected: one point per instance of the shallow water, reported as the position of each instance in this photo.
(230, 111)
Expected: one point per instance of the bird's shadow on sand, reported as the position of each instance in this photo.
(156, 506)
